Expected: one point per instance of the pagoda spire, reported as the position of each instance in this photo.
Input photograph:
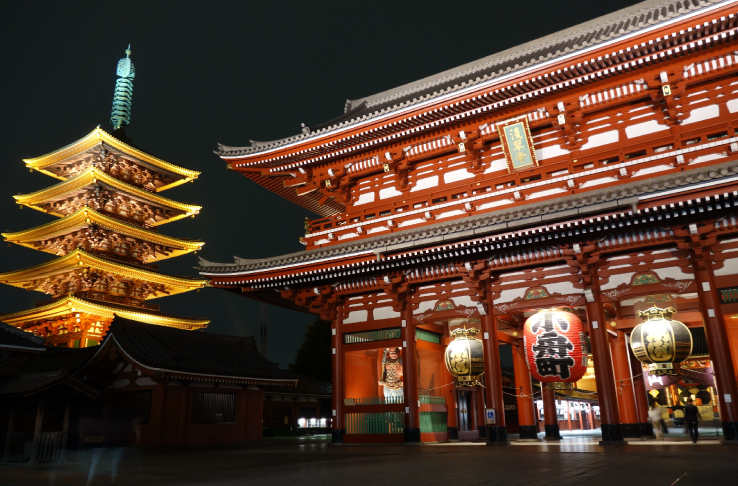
(120, 115)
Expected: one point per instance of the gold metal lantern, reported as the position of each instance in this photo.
(464, 356)
(660, 341)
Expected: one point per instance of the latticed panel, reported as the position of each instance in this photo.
(375, 423)
(433, 421)
(433, 380)
(369, 336)
(728, 296)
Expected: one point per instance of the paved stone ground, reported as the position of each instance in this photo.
(577, 460)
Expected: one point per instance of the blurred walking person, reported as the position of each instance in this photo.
(692, 418)
(654, 415)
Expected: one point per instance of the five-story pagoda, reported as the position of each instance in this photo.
(106, 240)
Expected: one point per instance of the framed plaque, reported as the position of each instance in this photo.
(517, 144)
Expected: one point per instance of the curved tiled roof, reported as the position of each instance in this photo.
(176, 351)
(484, 224)
(476, 73)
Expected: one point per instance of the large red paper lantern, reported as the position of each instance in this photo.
(555, 347)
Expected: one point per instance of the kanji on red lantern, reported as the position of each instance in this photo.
(554, 347)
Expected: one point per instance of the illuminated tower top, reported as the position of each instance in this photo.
(120, 115)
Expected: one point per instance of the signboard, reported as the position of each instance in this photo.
(517, 144)
(491, 420)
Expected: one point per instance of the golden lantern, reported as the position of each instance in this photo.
(660, 341)
(464, 356)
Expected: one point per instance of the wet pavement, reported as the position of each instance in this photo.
(577, 459)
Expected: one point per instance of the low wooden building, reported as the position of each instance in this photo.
(145, 385)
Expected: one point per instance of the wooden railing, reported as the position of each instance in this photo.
(374, 401)
(433, 421)
(427, 399)
(19, 448)
(50, 446)
(375, 423)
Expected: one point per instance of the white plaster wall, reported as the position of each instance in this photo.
(645, 128)
(601, 139)
(597, 182)
(704, 113)
(494, 204)
(550, 151)
(707, 158)
(365, 198)
(730, 267)
(448, 214)
(547, 192)
(384, 313)
(496, 165)
(356, 316)
(732, 105)
(457, 175)
(426, 183)
(389, 192)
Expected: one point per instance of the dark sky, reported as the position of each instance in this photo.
(218, 71)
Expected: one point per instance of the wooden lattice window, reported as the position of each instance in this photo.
(209, 408)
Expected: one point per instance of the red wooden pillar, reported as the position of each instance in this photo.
(641, 397)
(609, 418)
(338, 377)
(450, 395)
(497, 433)
(550, 419)
(479, 415)
(717, 343)
(624, 387)
(524, 390)
(410, 373)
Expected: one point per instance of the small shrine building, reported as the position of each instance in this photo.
(593, 169)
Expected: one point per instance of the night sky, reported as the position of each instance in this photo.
(217, 71)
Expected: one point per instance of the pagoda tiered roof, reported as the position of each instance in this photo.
(87, 217)
(50, 164)
(70, 304)
(25, 278)
(94, 177)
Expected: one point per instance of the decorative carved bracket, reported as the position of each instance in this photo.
(398, 289)
(568, 120)
(318, 300)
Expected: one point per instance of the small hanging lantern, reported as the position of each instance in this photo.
(465, 356)
(661, 342)
(555, 345)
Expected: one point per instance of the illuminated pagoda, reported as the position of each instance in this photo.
(594, 169)
(105, 241)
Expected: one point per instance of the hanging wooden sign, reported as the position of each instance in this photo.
(517, 144)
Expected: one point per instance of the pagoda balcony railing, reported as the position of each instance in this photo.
(104, 298)
(471, 197)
